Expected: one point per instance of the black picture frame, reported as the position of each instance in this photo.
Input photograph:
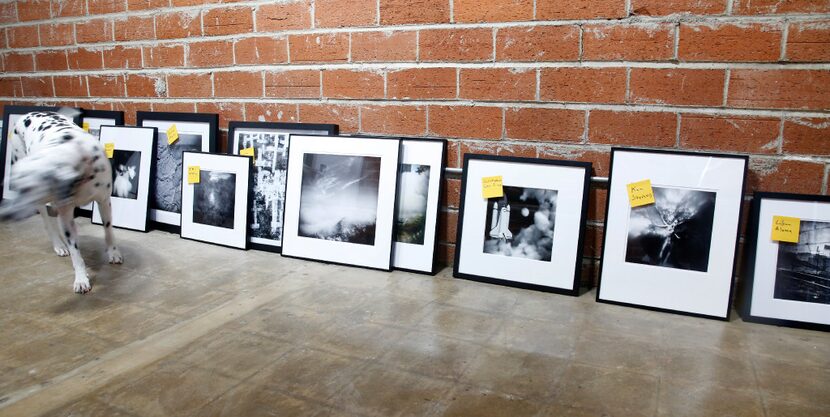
(728, 305)
(233, 126)
(750, 258)
(117, 117)
(573, 290)
(211, 119)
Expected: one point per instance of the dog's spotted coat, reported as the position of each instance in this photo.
(55, 162)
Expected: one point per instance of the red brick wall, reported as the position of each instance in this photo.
(541, 78)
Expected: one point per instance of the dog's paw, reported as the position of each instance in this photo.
(114, 256)
(82, 286)
(61, 250)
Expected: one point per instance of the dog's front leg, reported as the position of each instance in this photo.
(66, 221)
(105, 210)
(58, 243)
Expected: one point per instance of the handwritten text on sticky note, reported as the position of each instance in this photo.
(785, 229)
(86, 126)
(172, 134)
(640, 193)
(109, 148)
(193, 172)
(492, 187)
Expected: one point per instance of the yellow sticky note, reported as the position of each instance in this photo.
(492, 187)
(640, 193)
(109, 148)
(172, 134)
(248, 152)
(193, 174)
(86, 127)
(785, 229)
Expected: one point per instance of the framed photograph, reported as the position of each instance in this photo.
(420, 182)
(270, 144)
(340, 200)
(92, 120)
(530, 236)
(197, 132)
(133, 161)
(678, 253)
(215, 209)
(788, 283)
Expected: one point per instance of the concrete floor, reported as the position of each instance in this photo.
(185, 328)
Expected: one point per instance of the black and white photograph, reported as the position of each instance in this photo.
(521, 223)
(413, 194)
(803, 270)
(214, 199)
(339, 198)
(269, 177)
(167, 195)
(126, 168)
(673, 232)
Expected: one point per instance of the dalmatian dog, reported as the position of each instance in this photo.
(57, 166)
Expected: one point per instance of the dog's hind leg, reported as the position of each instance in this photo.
(50, 223)
(105, 210)
(66, 221)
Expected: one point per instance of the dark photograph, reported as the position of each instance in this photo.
(214, 199)
(520, 223)
(126, 166)
(803, 271)
(674, 232)
(339, 198)
(270, 164)
(413, 190)
(168, 191)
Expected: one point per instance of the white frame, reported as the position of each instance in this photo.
(377, 256)
(97, 123)
(126, 212)
(239, 165)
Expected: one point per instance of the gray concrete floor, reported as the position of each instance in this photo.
(191, 329)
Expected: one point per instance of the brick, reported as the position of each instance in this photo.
(8, 12)
(733, 133)
(85, 59)
(775, 175)
(37, 87)
(537, 43)
(68, 8)
(667, 7)
(452, 192)
(468, 11)
(594, 85)
(655, 129)
(145, 85)
(283, 16)
(587, 9)
(122, 57)
(792, 89)
(650, 42)
(228, 21)
(809, 41)
(677, 86)
(72, 86)
(93, 31)
(146, 4)
(448, 232)
(465, 122)
(332, 47)
(11, 87)
(28, 10)
(163, 56)
(227, 111)
(51, 61)
(600, 160)
(261, 50)
(189, 85)
(592, 244)
(182, 3)
(456, 45)
(544, 124)
(130, 109)
(403, 12)
(106, 6)
(446, 254)
(340, 13)
(210, 54)
(18, 62)
(393, 120)
(727, 42)
(56, 34)
(22, 36)
(498, 148)
(105, 85)
(178, 25)
(807, 136)
(344, 116)
(384, 46)
(780, 7)
(261, 112)
(293, 84)
(421, 83)
(497, 84)
(135, 28)
(352, 84)
(453, 154)
(180, 107)
(237, 84)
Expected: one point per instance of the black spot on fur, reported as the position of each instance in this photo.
(108, 185)
(67, 137)
(97, 184)
(15, 131)
(75, 245)
(27, 122)
(66, 233)
(91, 177)
(107, 225)
(95, 158)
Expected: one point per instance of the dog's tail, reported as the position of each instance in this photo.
(38, 179)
